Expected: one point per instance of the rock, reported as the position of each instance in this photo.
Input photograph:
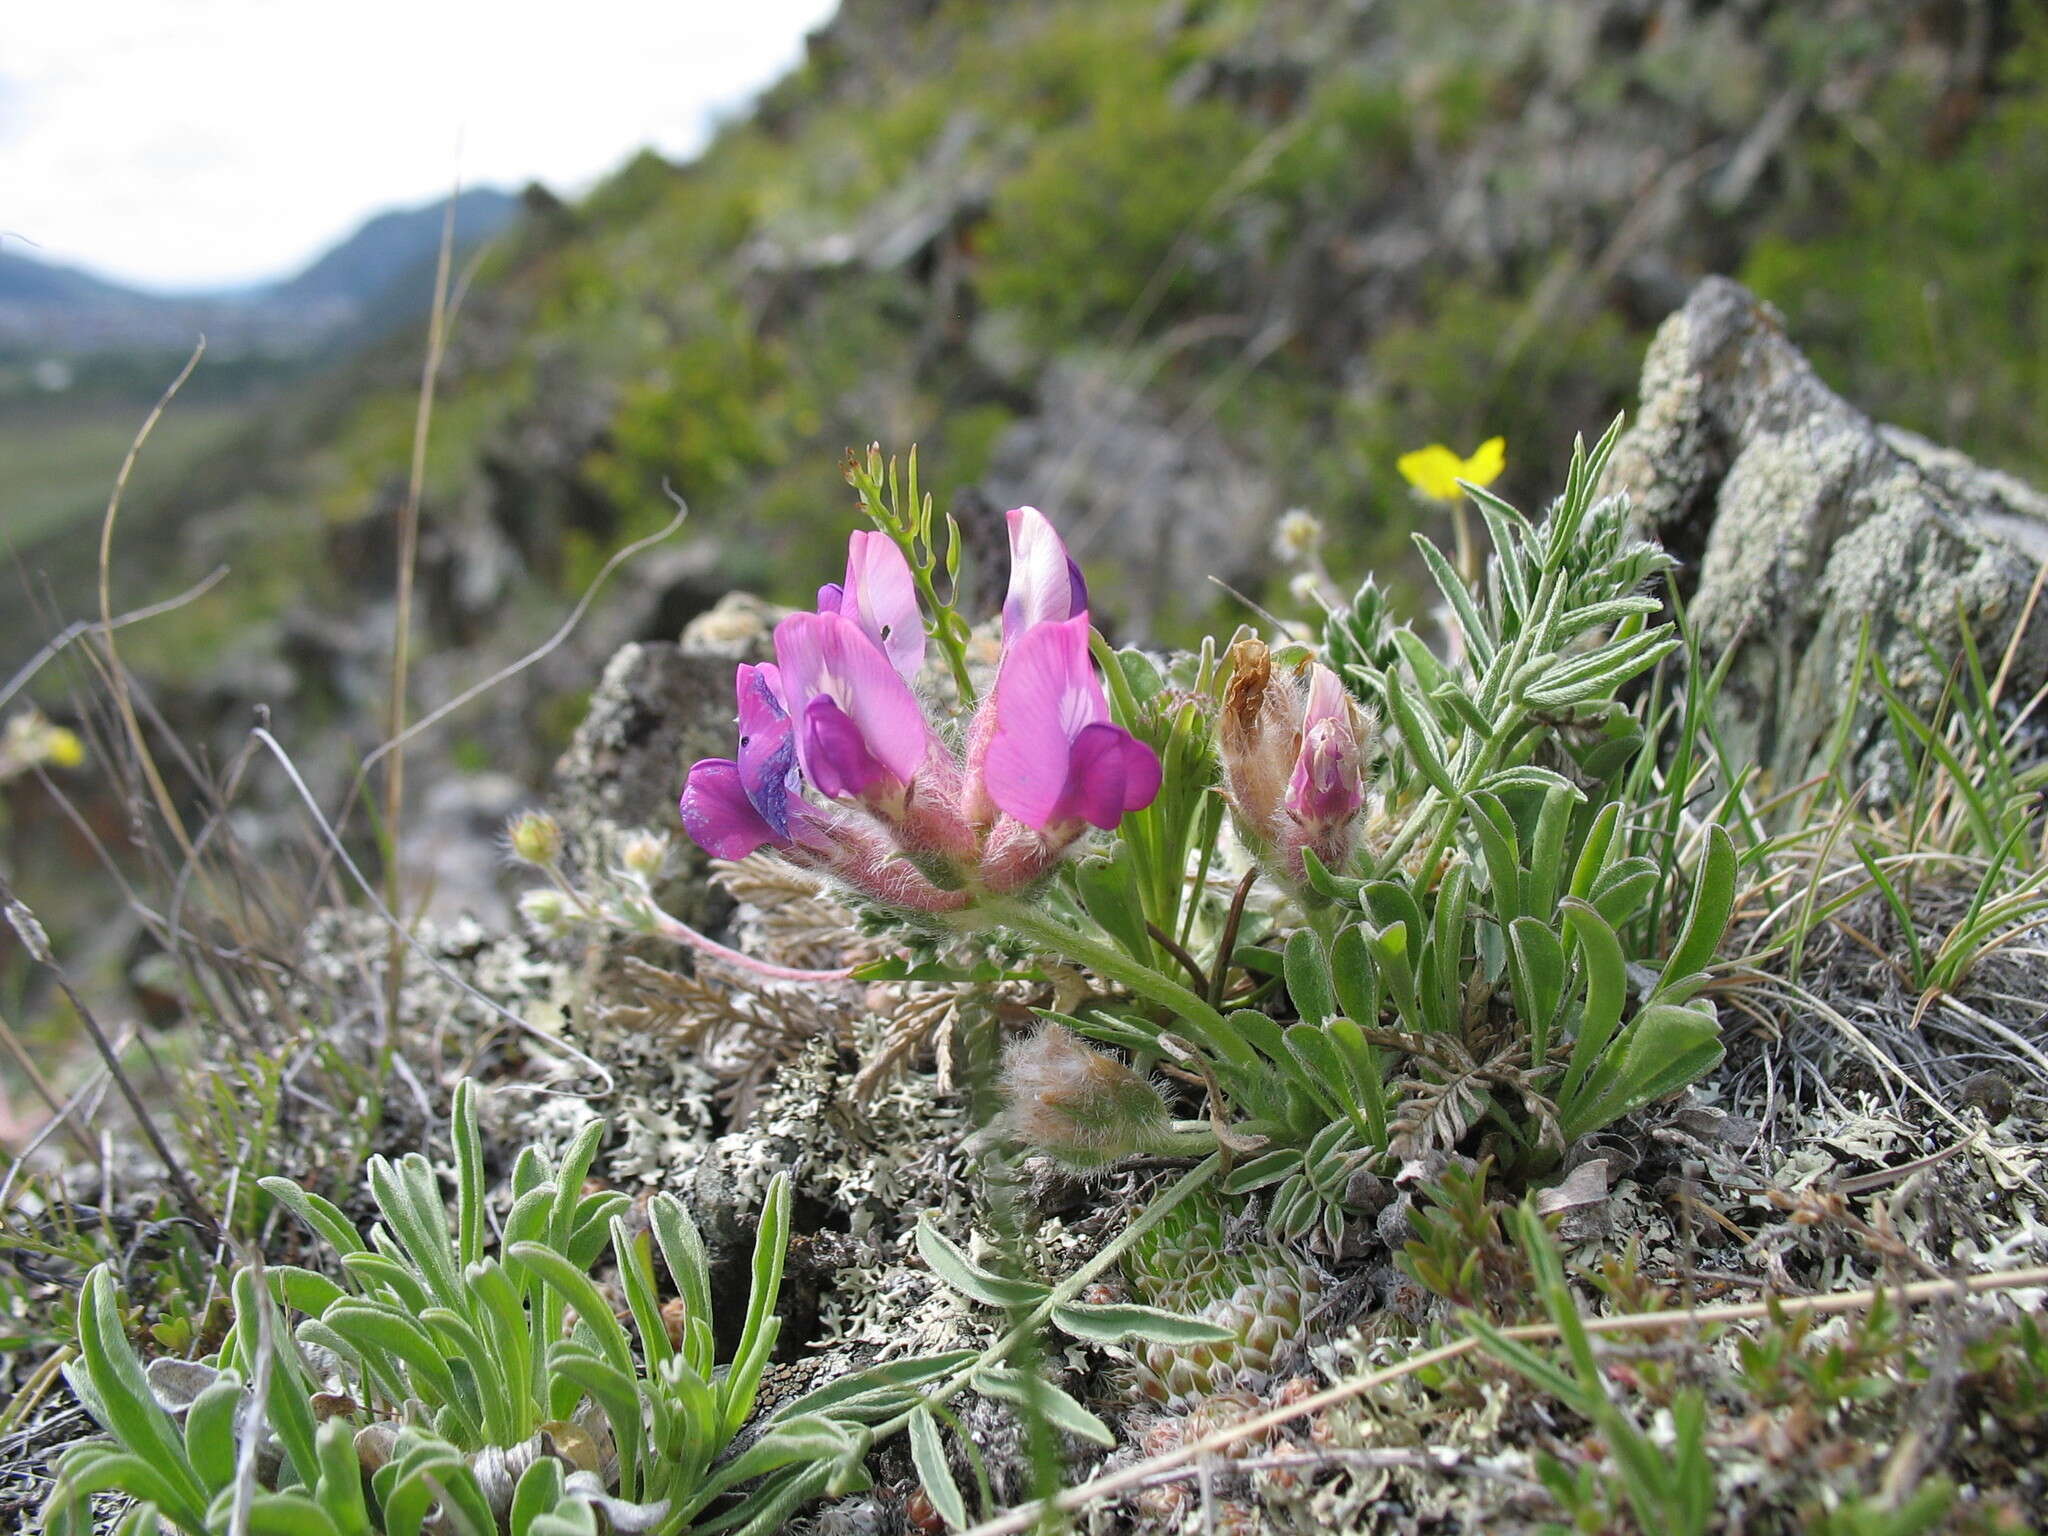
(1169, 502)
(656, 711)
(1800, 519)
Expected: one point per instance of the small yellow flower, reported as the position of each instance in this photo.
(1435, 471)
(62, 747)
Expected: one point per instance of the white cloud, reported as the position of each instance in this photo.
(188, 143)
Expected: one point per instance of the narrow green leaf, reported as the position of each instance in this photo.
(1035, 1394)
(469, 1175)
(1113, 1322)
(1308, 977)
(323, 1216)
(1713, 900)
(928, 1455)
(1606, 980)
(962, 1274)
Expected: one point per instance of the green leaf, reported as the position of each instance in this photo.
(892, 1375)
(1713, 900)
(1593, 853)
(1308, 977)
(1540, 971)
(962, 1274)
(210, 1433)
(1035, 1394)
(291, 1416)
(1546, 850)
(1424, 742)
(1606, 976)
(581, 1293)
(303, 1290)
(1109, 892)
(1502, 852)
(1471, 627)
(1351, 972)
(1623, 888)
(469, 1175)
(1663, 1049)
(682, 1250)
(538, 1492)
(1113, 1322)
(323, 1216)
(928, 1455)
(340, 1487)
(122, 1401)
(757, 1336)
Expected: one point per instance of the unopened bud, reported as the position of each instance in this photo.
(643, 854)
(1079, 1106)
(547, 910)
(535, 838)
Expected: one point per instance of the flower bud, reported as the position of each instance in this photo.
(1079, 1106)
(643, 854)
(535, 838)
(1257, 740)
(547, 910)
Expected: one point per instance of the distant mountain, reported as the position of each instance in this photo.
(378, 276)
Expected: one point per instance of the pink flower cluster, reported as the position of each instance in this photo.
(841, 769)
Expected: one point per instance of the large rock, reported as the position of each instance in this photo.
(1801, 520)
(656, 710)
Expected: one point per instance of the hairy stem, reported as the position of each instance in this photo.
(1203, 1021)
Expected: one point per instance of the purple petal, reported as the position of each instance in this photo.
(1326, 788)
(718, 814)
(1109, 772)
(825, 655)
(1045, 584)
(881, 597)
(836, 755)
(1046, 694)
(767, 756)
(831, 597)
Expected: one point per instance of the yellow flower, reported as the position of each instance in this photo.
(62, 747)
(1435, 471)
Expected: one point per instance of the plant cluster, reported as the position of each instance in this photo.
(446, 1379)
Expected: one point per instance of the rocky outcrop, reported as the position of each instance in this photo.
(1802, 521)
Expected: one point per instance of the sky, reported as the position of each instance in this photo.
(182, 144)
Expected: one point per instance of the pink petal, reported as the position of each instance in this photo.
(1327, 786)
(718, 814)
(881, 597)
(825, 655)
(1109, 772)
(836, 756)
(1045, 584)
(1046, 694)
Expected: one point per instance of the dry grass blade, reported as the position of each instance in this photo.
(146, 760)
(401, 623)
(37, 944)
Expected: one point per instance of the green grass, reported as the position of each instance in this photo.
(58, 458)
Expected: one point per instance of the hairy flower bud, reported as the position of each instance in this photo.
(535, 838)
(643, 854)
(1293, 760)
(547, 910)
(1079, 1106)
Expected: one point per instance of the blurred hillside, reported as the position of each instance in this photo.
(82, 359)
(1163, 267)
